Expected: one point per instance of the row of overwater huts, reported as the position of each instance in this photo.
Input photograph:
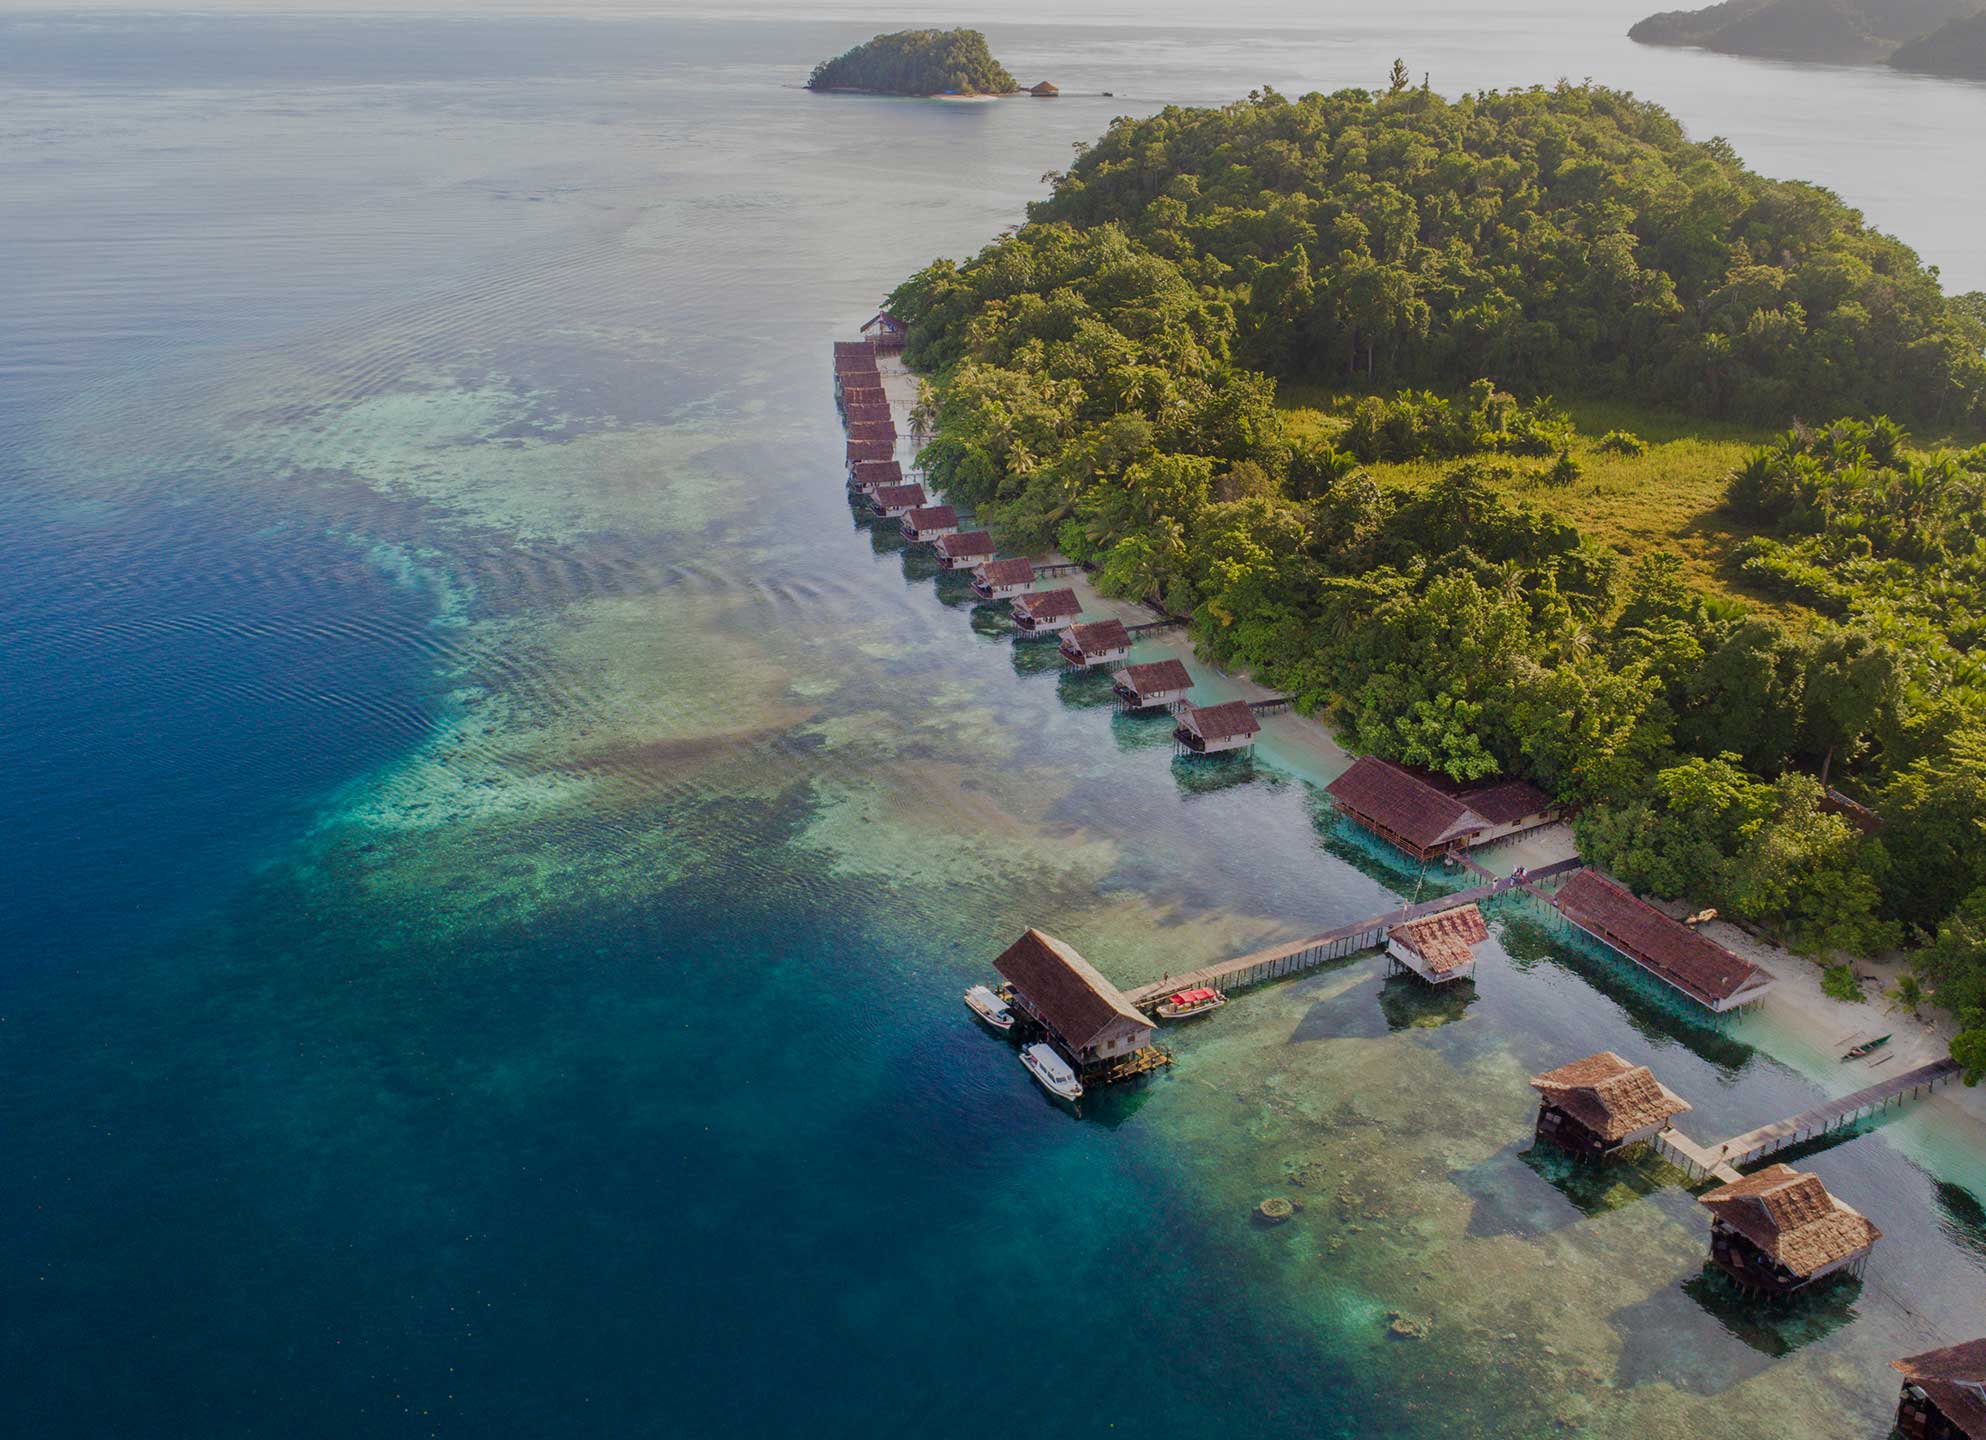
(876, 480)
(1774, 1233)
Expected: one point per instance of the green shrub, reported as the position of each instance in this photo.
(1622, 442)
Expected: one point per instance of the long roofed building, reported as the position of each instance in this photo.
(1780, 1230)
(1693, 964)
(1211, 729)
(1602, 1104)
(1003, 579)
(1088, 1017)
(964, 549)
(1102, 642)
(1413, 812)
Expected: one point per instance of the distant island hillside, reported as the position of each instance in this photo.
(1958, 48)
(917, 62)
(1846, 32)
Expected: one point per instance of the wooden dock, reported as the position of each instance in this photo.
(1050, 572)
(1276, 705)
(1148, 627)
(1300, 955)
(1720, 1161)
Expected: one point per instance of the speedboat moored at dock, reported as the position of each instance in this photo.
(981, 1001)
(1052, 1071)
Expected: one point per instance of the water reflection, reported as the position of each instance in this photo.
(1410, 1004)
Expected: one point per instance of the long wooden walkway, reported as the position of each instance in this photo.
(1720, 1161)
(1300, 955)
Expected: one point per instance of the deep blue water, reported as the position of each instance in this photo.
(493, 848)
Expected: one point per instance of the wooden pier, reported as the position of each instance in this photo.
(1721, 1160)
(1300, 955)
(1278, 705)
(1066, 567)
(1147, 627)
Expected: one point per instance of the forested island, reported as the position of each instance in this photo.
(917, 62)
(1939, 36)
(1956, 48)
(1342, 379)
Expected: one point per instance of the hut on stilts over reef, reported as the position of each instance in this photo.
(1086, 1017)
(1778, 1231)
(1003, 579)
(1158, 685)
(1944, 1393)
(964, 550)
(928, 522)
(1212, 729)
(1045, 612)
(1104, 642)
(1692, 964)
(869, 476)
(893, 502)
(1599, 1106)
(1439, 948)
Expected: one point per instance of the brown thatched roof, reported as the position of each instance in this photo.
(1446, 940)
(873, 430)
(867, 413)
(1955, 1379)
(931, 517)
(965, 544)
(1220, 722)
(1789, 1215)
(1158, 677)
(899, 497)
(852, 349)
(1065, 989)
(878, 473)
(1609, 1096)
(1049, 604)
(1694, 964)
(1401, 802)
(858, 394)
(1097, 638)
(887, 322)
(1015, 571)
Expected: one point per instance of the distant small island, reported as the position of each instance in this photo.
(1940, 36)
(917, 62)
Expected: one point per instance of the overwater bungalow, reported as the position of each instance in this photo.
(886, 333)
(1103, 642)
(1211, 729)
(928, 522)
(869, 412)
(893, 502)
(1412, 811)
(869, 476)
(1003, 579)
(856, 394)
(861, 450)
(873, 432)
(965, 550)
(1158, 685)
(1439, 948)
(1678, 956)
(1046, 90)
(852, 350)
(1779, 1231)
(853, 371)
(1944, 1393)
(1040, 612)
(1086, 1016)
(1597, 1107)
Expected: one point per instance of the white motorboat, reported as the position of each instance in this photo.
(1052, 1071)
(981, 1001)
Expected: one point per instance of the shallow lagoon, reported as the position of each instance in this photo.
(499, 846)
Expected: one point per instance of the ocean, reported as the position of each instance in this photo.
(495, 847)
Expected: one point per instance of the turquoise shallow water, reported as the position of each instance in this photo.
(494, 848)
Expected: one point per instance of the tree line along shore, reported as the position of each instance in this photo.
(1520, 435)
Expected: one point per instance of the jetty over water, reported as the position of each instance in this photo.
(1721, 1160)
(1300, 955)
